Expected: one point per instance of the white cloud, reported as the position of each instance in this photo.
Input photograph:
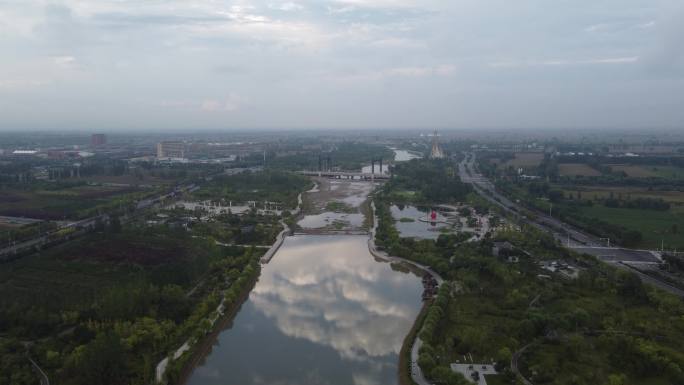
(64, 61)
(232, 103)
(646, 25)
(287, 6)
(563, 62)
(302, 61)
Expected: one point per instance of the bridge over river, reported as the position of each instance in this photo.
(331, 232)
(345, 175)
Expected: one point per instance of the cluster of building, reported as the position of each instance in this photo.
(564, 269)
(430, 287)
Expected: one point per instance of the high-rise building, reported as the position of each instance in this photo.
(97, 140)
(436, 152)
(170, 149)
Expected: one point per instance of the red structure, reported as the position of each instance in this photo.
(97, 140)
(433, 215)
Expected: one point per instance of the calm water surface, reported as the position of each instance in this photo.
(403, 156)
(417, 228)
(323, 312)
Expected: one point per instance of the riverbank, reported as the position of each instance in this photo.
(415, 374)
(405, 361)
(191, 353)
(203, 348)
(280, 238)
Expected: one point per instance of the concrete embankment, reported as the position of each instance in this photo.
(266, 258)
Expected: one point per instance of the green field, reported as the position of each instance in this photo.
(649, 171)
(524, 160)
(72, 275)
(621, 192)
(650, 223)
(669, 172)
(577, 169)
(69, 202)
(144, 290)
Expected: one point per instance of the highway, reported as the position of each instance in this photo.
(569, 236)
(560, 230)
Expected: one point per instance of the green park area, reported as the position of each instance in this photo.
(269, 185)
(603, 327)
(109, 306)
(425, 181)
(598, 326)
(348, 156)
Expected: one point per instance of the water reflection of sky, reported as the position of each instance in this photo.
(403, 156)
(323, 312)
(417, 228)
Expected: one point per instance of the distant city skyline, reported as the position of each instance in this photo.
(179, 65)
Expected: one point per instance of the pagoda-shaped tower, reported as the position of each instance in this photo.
(436, 152)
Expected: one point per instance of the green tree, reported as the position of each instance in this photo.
(103, 361)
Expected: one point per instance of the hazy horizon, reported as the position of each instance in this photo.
(340, 64)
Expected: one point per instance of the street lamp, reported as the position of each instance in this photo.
(662, 239)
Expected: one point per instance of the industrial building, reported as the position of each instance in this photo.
(171, 149)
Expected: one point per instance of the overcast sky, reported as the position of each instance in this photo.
(209, 64)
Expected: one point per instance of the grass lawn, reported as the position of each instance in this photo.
(649, 171)
(60, 203)
(649, 222)
(525, 160)
(669, 172)
(633, 171)
(577, 169)
(622, 192)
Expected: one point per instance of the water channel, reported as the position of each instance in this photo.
(324, 311)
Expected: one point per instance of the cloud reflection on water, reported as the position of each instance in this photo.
(328, 290)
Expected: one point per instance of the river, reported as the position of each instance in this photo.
(404, 155)
(324, 311)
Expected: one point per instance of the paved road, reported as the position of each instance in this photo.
(43, 377)
(652, 280)
(416, 371)
(560, 230)
(619, 254)
(514, 364)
